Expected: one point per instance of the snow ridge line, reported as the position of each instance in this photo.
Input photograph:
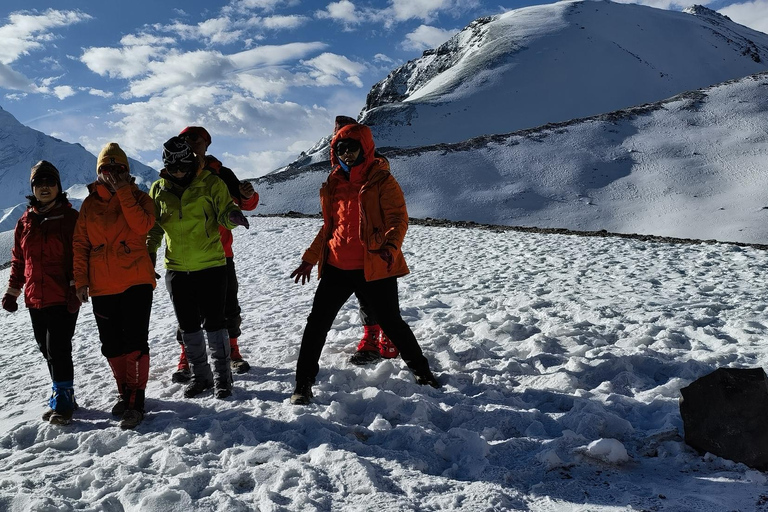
(602, 233)
(696, 96)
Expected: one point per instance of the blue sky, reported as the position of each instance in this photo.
(265, 77)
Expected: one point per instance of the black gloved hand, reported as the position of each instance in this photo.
(9, 303)
(153, 259)
(73, 303)
(237, 218)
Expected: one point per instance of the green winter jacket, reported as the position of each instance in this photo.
(190, 218)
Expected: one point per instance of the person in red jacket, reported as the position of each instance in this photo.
(358, 250)
(112, 265)
(41, 263)
(247, 199)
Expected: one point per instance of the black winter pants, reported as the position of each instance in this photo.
(366, 315)
(54, 328)
(232, 305)
(198, 298)
(336, 286)
(123, 320)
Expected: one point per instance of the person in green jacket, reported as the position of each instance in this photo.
(190, 204)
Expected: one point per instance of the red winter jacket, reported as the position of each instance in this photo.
(41, 258)
(233, 184)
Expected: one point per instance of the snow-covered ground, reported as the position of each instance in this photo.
(561, 357)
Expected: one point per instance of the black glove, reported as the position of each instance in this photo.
(153, 259)
(73, 303)
(9, 303)
(237, 218)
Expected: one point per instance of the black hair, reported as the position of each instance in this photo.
(35, 202)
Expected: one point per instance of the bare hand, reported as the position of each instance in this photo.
(117, 181)
(246, 189)
(385, 253)
(82, 293)
(304, 272)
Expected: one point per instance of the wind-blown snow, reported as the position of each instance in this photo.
(555, 353)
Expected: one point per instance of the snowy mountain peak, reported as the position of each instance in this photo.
(21, 147)
(556, 62)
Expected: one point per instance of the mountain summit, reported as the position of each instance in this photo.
(556, 62)
(21, 147)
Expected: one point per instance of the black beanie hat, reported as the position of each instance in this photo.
(45, 168)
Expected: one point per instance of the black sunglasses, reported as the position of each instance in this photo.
(191, 136)
(347, 145)
(182, 167)
(45, 181)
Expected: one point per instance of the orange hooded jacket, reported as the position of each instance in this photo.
(371, 213)
(110, 240)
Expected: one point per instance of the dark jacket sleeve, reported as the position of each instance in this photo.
(17, 258)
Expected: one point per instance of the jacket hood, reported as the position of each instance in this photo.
(361, 134)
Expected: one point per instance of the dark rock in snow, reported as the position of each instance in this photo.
(725, 413)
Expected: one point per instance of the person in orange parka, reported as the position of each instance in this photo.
(374, 345)
(247, 199)
(112, 265)
(358, 250)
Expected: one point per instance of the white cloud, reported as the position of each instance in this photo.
(270, 82)
(264, 5)
(427, 37)
(63, 91)
(254, 125)
(343, 11)
(380, 57)
(204, 67)
(259, 163)
(97, 92)
(283, 22)
(27, 32)
(126, 62)
(328, 68)
(419, 9)
(751, 14)
(270, 55)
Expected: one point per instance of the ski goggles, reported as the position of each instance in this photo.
(347, 145)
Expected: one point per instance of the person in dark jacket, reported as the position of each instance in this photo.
(190, 204)
(358, 250)
(112, 265)
(41, 264)
(247, 199)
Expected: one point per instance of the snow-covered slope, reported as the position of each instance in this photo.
(21, 147)
(692, 167)
(561, 357)
(556, 62)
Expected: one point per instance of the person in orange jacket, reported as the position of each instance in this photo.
(358, 250)
(41, 264)
(247, 199)
(112, 265)
(374, 345)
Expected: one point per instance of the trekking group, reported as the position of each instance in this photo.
(107, 253)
